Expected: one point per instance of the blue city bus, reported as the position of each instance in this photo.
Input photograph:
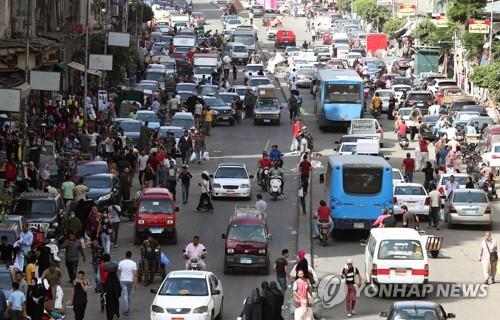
(359, 187)
(341, 98)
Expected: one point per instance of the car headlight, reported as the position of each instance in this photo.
(104, 198)
(262, 251)
(170, 221)
(216, 185)
(216, 112)
(55, 225)
(157, 309)
(140, 222)
(245, 185)
(276, 115)
(202, 309)
(230, 251)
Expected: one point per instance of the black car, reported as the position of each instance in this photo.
(459, 104)
(419, 99)
(426, 130)
(477, 108)
(223, 112)
(416, 310)
(43, 211)
(104, 189)
(402, 80)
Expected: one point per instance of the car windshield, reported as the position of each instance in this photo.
(342, 93)
(215, 102)
(38, 207)
(396, 175)
(401, 89)
(462, 180)
(323, 49)
(405, 112)
(147, 116)
(409, 191)
(247, 39)
(431, 119)
(186, 87)
(209, 90)
(257, 82)
(87, 170)
(177, 132)
(98, 182)
(239, 49)
(266, 104)
(247, 232)
(131, 126)
(231, 173)
(399, 80)
(184, 287)
(234, 21)
(472, 197)
(307, 72)
(420, 96)
(385, 93)
(226, 98)
(156, 206)
(254, 68)
(147, 86)
(348, 148)
(414, 313)
(400, 250)
(182, 49)
(466, 116)
(203, 70)
(183, 123)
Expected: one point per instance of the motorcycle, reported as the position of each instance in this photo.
(194, 264)
(275, 184)
(403, 142)
(54, 249)
(264, 178)
(324, 233)
(376, 112)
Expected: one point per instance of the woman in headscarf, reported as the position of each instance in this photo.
(35, 299)
(278, 300)
(112, 291)
(302, 264)
(252, 309)
(267, 301)
(206, 189)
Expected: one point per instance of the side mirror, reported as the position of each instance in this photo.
(322, 178)
(335, 149)
(153, 290)
(337, 142)
(363, 242)
(383, 314)
(211, 176)
(450, 315)
(215, 292)
(387, 158)
(269, 236)
(251, 176)
(223, 236)
(176, 209)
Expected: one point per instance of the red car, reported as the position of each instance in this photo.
(246, 243)
(327, 38)
(155, 216)
(284, 37)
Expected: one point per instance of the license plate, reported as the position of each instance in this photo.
(401, 272)
(156, 230)
(225, 118)
(267, 120)
(470, 211)
(245, 260)
(359, 225)
(411, 201)
(177, 318)
(230, 191)
(420, 104)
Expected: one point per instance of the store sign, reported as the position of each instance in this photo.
(440, 21)
(479, 26)
(407, 10)
(384, 2)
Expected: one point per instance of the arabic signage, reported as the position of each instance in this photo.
(407, 10)
(384, 2)
(479, 26)
(440, 21)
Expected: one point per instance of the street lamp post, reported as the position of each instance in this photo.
(85, 80)
(490, 56)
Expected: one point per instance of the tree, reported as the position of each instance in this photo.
(424, 31)
(488, 77)
(343, 5)
(473, 43)
(461, 10)
(393, 25)
(372, 13)
(147, 13)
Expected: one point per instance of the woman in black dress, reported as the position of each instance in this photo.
(35, 300)
(112, 291)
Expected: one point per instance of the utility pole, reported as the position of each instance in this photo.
(490, 56)
(25, 106)
(106, 35)
(137, 23)
(85, 88)
(393, 9)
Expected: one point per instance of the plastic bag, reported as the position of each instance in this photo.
(205, 156)
(441, 215)
(294, 145)
(193, 157)
(164, 259)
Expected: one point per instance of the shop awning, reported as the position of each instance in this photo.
(81, 67)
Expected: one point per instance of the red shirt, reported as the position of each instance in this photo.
(154, 163)
(324, 213)
(296, 128)
(10, 172)
(103, 272)
(305, 166)
(423, 145)
(160, 156)
(265, 163)
(409, 164)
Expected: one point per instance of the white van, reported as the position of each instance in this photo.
(396, 256)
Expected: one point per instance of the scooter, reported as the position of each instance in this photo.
(323, 233)
(403, 142)
(275, 184)
(264, 178)
(194, 263)
(375, 112)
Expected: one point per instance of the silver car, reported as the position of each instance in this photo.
(468, 206)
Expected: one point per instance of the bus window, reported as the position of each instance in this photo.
(362, 181)
(341, 93)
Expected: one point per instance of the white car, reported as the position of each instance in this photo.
(252, 69)
(492, 156)
(385, 94)
(188, 295)
(347, 148)
(399, 89)
(254, 82)
(272, 31)
(397, 177)
(232, 180)
(232, 24)
(241, 90)
(352, 56)
(412, 195)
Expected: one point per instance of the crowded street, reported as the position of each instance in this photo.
(178, 190)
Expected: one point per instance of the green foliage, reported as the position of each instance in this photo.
(488, 77)
(424, 31)
(343, 5)
(123, 58)
(6, 201)
(462, 10)
(429, 35)
(369, 11)
(473, 43)
(147, 13)
(393, 25)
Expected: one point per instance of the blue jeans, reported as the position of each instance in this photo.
(185, 192)
(126, 294)
(106, 242)
(282, 283)
(318, 224)
(409, 176)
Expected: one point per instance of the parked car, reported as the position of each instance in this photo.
(416, 310)
(412, 195)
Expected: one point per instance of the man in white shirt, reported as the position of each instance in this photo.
(450, 132)
(434, 110)
(435, 197)
(195, 250)
(127, 272)
(261, 205)
(451, 185)
(155, 106)
(143, 160)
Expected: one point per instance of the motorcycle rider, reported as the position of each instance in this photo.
(377, 102)
(323, 215)
(276, 155)
(263, 163)
(195, 250)
(150, 256)
(249, 101)
(276, 171)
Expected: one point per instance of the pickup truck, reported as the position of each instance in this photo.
(369, 128)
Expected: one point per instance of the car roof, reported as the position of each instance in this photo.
(395, 233)
(412, 304)
(146, 111)
(100, 175)
(247, 219)
(93, 163)
(409, 184)
(228, 94)
(188, 274)
(128, 120)
(183, 115)
(36, 194)
(468, 191)
(419, 92)
(231, 164)
(156, 191)
(447, 175)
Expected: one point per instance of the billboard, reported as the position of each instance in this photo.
(479, 26)
(100, 62)
(384, 2)
(45, 80)
(10, 100)
(118, 39)
(407, 10)
(440, 21)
